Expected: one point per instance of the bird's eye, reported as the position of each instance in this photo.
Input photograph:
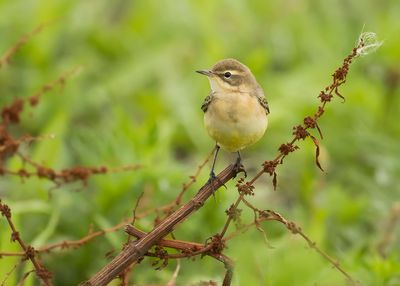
(227, 74)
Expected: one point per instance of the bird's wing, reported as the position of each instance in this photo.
(263, 101)
(207, 101)
(264, 104)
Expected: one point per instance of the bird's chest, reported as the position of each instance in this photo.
(235, 109)
(235, 121)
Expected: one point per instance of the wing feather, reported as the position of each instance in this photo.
(264, 103)
(207, 101)
(262, 100)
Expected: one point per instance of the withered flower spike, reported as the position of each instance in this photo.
(325, 97)
(270, 166)
(287, 148)
(246, 189)
(300, 132)
(310, 122)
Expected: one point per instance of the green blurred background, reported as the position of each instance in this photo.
(137, 100)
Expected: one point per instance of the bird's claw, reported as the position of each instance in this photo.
(211, 180)
(214, 177)
(238, 167)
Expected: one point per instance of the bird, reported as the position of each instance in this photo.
(236, 110)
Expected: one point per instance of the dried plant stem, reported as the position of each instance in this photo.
(29, 252)
(67, 244)
(133, 251)
(6, 58)
(168, 208)
(269, 215)
(189, 249)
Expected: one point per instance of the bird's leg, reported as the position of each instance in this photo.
(238, 164)
(212, 174)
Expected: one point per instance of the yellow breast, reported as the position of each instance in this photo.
(235, 120)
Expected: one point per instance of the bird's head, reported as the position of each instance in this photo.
(230, 75)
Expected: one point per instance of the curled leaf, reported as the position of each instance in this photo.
(317, 151)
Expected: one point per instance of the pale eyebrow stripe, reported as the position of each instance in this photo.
(233, 72)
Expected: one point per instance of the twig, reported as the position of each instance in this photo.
(43, 274)
(68, 244)
(189, 249)
(21, 282)
(269, 215)
(135, 208)
(135, 250)
(6, 58)
(172, 281)
(8, 274)
(300, 132)
(168, 208)
(60, 81)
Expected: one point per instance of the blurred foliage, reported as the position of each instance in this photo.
(137, 100)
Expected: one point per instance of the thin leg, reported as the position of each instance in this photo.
(212, 174)
(238, 164)
(239, 158)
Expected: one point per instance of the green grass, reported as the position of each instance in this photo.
(137, 101)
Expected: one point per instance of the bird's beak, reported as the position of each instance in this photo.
(205, 72)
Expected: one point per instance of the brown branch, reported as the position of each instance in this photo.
(8, 274)
(60, 81)
(6, 58)
(134, 216)
(169, 207)
(172, 281)
(269, 215)
(64, 176)
(24, 277)
(124, 276)
(192, 179)
(189, 249)
(136, 250)
(43, 274)
(71, 244)
(11, 114)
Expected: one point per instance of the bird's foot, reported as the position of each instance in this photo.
(211, 180)
(238, 167)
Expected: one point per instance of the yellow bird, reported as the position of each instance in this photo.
(235, 111)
